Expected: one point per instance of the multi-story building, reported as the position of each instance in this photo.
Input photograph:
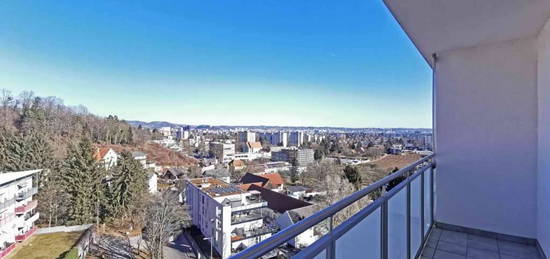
(275, 138)
(17, 208)
(224, 152)
(230, 217)
(234, 217)
(298, 157)
(304, 157)
(183, 133)
(296, 138)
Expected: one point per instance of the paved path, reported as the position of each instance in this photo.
(181, 247)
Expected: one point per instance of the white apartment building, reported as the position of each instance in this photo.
(224, 152)
(165, 131)
(17, 208)
(231, 217)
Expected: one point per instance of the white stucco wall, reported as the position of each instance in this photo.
(543, 189)
(486, 137)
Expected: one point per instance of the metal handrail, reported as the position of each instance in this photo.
(27, 193)
(292, 231)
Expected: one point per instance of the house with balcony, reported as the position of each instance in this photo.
(17, 208)
(477, 196)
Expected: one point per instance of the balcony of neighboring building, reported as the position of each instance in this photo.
(26, 193)
(26, 207)
(24, 236)
(247, 216)
(30, 218)
(240, 234)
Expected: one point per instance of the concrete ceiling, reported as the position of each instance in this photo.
(439, 25)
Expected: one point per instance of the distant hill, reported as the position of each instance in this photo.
(155, 124)
(159, 124)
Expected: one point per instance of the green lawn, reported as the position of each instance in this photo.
(46, 246)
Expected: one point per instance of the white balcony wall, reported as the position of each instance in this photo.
(543, 224)
(486, 137)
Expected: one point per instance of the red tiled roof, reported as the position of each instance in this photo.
(245, 186)
(274, 178)
(101, 152)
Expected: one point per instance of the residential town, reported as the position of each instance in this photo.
(245, 183)
(238, 186)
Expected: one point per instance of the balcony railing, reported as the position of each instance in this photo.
(395, 225)
(253, 216)
(7, 250)
(32, 218)
(23, 237)
(254, 233)
(26, 194)
(27, 207)
(250, 206)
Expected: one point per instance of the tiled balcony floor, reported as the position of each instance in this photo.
(444, 244)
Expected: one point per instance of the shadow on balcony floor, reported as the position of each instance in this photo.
(445, 244)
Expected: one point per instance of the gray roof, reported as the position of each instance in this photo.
(138, 154)
(218, 172)
(297, 188)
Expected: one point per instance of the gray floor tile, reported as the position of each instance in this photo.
(432, 242)
(483, 243)
(454, 248)
(516, 250)
(428, 252)
(444, 244)
(474, 253)
(436, 233)
(505, 256)
(454, 237)
(446, 255)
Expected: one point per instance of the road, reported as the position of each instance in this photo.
(181, 247)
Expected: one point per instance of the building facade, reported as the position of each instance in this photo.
(224, 152)
(17, 208)
(232, 219)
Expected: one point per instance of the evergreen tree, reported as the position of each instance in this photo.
(128, 186)
(353, 176)
(82, 177)
(19, 152)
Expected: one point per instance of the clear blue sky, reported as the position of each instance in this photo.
(239, 62)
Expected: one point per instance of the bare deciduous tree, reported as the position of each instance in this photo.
(164, 218)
